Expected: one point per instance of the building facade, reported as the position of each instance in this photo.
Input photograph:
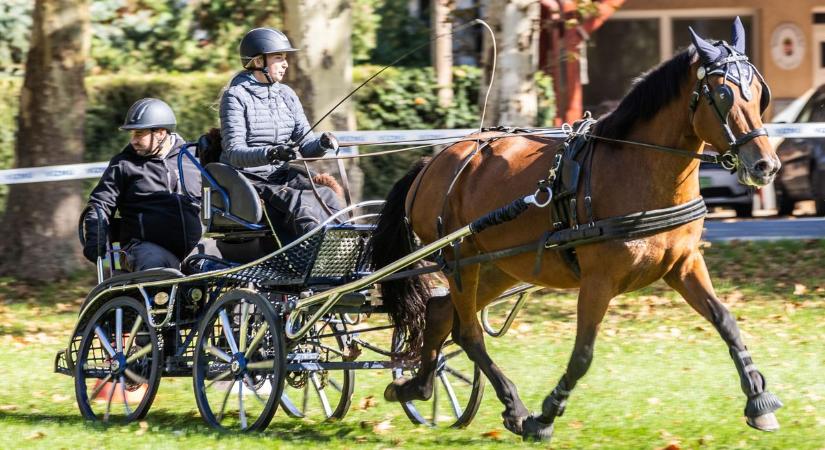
(786, 41)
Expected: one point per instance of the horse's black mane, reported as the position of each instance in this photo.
(649, 93)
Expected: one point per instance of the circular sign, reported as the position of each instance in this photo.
(787, 45)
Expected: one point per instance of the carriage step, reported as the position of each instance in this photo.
(60, 364)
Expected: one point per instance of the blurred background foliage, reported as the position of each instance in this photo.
(185, 50)
(401, 98)
(142, 36)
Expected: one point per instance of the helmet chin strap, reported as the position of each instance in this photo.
(265, 71)
(157, 148)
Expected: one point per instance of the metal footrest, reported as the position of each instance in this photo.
(60, 365)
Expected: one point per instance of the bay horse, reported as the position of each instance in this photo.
(707, 93)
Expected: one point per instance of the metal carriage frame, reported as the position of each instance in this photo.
(316, 288)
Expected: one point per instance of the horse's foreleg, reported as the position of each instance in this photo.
(468, 334)
(439, 322)
(592, 305)
(692, 281)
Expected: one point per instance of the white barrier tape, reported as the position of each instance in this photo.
(796, 130)
(359, 137)
(52, 173)
(94, 170)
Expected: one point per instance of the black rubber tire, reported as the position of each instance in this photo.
(143, 368)
(467, 404)
(208, 367)
(744, 210)
(341, 381)
(784, 204)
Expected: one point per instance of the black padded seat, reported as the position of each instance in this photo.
(244, 201)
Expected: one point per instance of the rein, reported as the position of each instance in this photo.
(727, 160)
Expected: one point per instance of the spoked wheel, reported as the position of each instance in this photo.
(321, 393)
(117, 371)
(238, 370)
(457, 391)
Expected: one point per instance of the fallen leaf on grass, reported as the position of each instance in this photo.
(360, 439)
(143, 428)
(367, 402)
(65, 307)
(706, 439)
(653, 401)
(36, 435)
(492, 434)
(672, 446)
(8, 407)
(799, 289)
(57, 398)
(575, 424)
(382, 427)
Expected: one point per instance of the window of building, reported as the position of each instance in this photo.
(616, 54)
(632, 42)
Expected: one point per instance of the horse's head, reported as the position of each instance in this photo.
(727, 106)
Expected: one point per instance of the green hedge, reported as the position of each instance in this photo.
(400, 98)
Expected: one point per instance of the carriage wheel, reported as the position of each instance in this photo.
(118, 366)
(457, 390)
(326, 394)
(238, 367)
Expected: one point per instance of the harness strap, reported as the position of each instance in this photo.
(621, 227)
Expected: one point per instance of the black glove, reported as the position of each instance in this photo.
(328, 141)
(91, 251)
(281, 152)
(95, 232)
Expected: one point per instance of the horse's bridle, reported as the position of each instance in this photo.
(721, 99)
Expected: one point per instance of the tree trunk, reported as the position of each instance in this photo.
(321, 71)
(512, 100)
(442, 55)
(39, 226)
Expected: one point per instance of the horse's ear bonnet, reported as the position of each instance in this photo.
(723, 59)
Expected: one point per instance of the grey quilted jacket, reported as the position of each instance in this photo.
(257, 115)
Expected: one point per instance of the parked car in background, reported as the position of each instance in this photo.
(802, 176)
(719, 187)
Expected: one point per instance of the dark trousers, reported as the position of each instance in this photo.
(292, 205)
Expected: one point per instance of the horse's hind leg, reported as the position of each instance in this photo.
(438, 324)
(692, 281)
(468, 334)
(594, 298)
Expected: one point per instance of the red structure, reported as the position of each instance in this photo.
(563, 31)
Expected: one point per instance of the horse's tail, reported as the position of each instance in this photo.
(325, 179)
(405, 299)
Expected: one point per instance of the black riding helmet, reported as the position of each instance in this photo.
(261, 41)
(149, 113)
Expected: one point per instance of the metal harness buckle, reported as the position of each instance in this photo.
(729, 161)
(532, 199)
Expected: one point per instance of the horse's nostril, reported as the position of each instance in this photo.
(762, 166)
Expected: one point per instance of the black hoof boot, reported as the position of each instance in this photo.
(535, 430)
(760, 411)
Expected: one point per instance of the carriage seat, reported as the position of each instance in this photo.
(244, 201)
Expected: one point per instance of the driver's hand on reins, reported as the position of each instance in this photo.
(281, 153)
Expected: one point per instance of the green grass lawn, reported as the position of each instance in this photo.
(661, 376)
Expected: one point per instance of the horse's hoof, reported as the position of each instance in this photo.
(513, 424)
(765, 422)
(391, 392)
(535, 430)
